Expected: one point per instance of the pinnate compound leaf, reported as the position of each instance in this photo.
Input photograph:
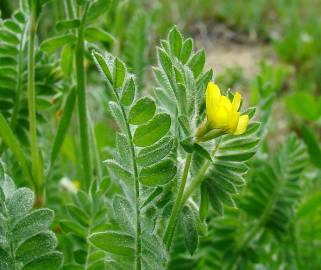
(114, 242)
(152, 131)
(142, 111)
(158, 174)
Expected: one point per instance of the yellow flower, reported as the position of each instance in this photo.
(222, 114)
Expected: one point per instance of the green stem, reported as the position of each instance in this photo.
(69, 9)
(169, 232)
(296, 250)
(35, 157)
(82, 104)
(138, 249)
(196, 182)
(138, 244)
(137, 199)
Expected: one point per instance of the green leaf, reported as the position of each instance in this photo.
(13, 26)
(102, 65)
(158, 174)
(11, 141)
(119, 73)
(78, 214)
(304, 105)
(117, 114)
(114, 242)
(52, 44)
(128, 93)
(123, 149)
(204, 204)
(188, 144)
(67, 25)
(20, 202)
(166, 62)
(96, 9)
(69, 226)
(158, 190)
(36, 246)
(313, 145)
(186, 50)
(308, 208)
(50, 261)
(66, 61)
(142, 111)
(153, 131)
(93, 34)
(175, 41)
(35, 222)
(189, 228)
(63, 126)
(197, 62)
(118, 171)
(124, 213)
(202, 151)
(184, 124)
(150, 155)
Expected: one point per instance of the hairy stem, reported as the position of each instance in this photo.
(137, 204)
(138, 244)
(35, 155)
(168, 236)
(82, 104)
(196, 182)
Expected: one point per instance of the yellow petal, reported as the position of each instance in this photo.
(213, 95)
(234, 121)
(226, 103)
(242, 124)
(221, 119)
(236, 101)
